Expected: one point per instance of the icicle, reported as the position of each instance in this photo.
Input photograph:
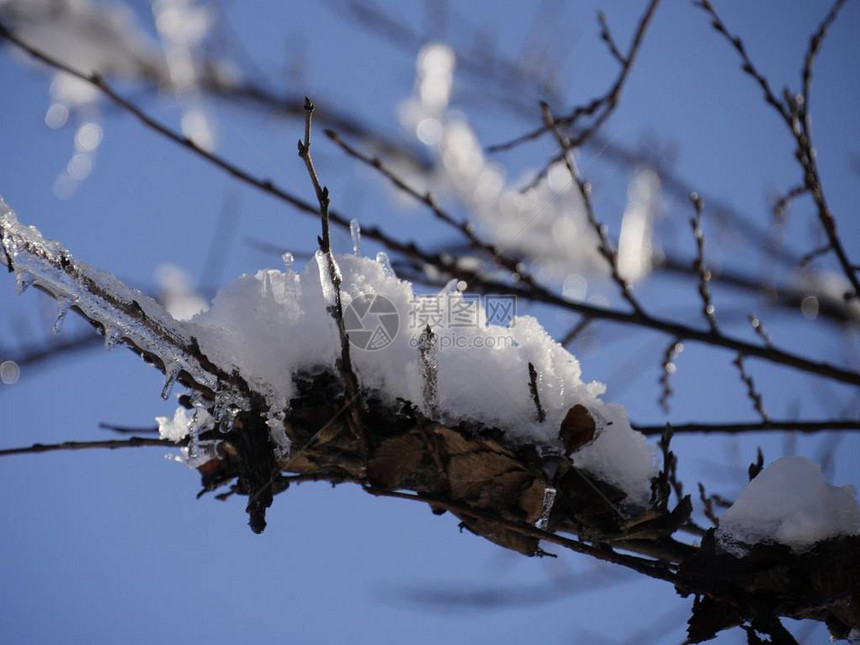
(266, 290)
(329, 289)
(226, 410)
(227, 419)
(278, 433)
(171, 372)
(355, 232)
(449, 288)
(194, 435)
(291, 279)
(546, 508)
(112, 338)
(428, 352)
(23, 280)
(206, 451)
(63, 306)
(288, 259)
(382, 259)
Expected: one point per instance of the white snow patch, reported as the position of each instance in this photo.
(789, 503)
(176, 428)
(272, 326)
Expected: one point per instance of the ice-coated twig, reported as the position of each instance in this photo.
(123, 314)
(332, 274)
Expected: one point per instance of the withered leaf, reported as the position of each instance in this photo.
(471, 473)
(502, 536)
(709, 618)
(577, 429)
(395, 460)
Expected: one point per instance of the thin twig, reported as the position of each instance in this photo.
(651, 568)
(753, 394)
(708, 505)
(759, 329)
(708, 309)
(604, 245)
(351, 388)
(533, 389)
(794, 111)
(752, 426)
(110, 444)
(602, 106)
(667, 369)
(465, 228)
(576, 330)
(815, 253)
(606, 36)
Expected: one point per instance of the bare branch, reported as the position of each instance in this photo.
(605, 246)
(794, 111)
(109, 444)
(602, 106)
(351, 389)
(708, 309)
(752, 426)
(667, 369)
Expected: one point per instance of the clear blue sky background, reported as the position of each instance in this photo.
(113, 547)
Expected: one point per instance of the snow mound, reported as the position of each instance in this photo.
(789, 503)
(275, 324)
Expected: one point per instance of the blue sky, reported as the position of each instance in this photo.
(108, 547)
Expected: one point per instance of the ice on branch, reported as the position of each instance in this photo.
(120, 312)
(546, 224)
(789, 503)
